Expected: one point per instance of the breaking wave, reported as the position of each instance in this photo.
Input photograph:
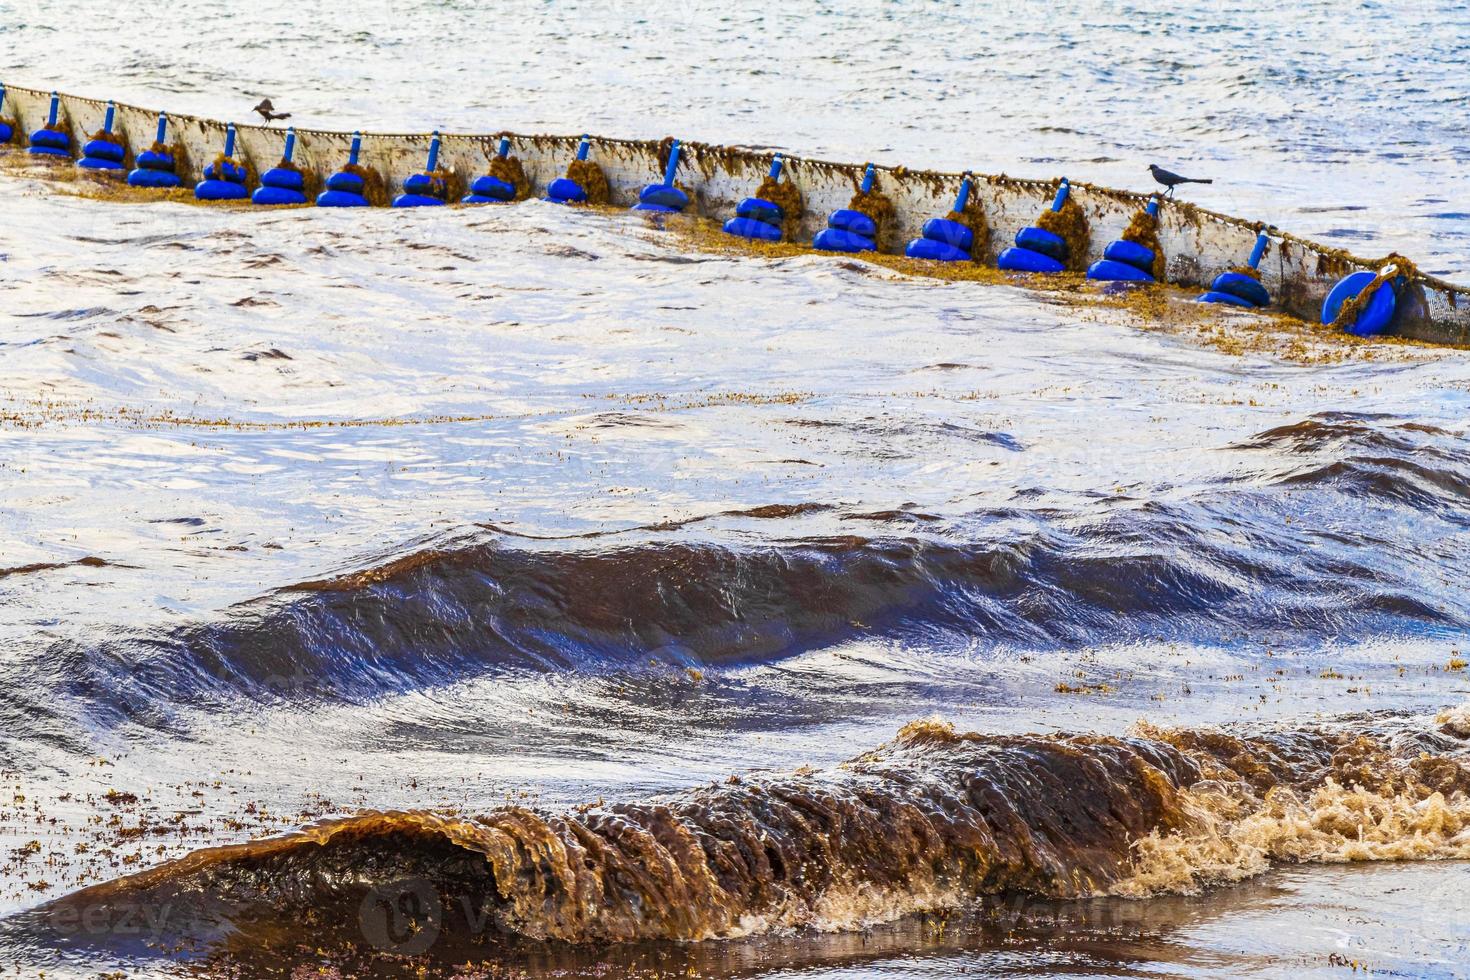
(926, 822)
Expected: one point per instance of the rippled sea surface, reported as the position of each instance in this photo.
(622, 607)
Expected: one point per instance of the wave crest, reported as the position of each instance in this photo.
(928, 821)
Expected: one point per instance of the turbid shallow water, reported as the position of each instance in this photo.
(304, 514)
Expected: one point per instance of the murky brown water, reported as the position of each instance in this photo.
(608, 597)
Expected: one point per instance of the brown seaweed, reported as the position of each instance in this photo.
(1143, 229)
(589, 176)
(1070, 225)
(509, 169)
(787, 196)
(927, 822)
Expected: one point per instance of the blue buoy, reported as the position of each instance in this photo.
(282, 184)
(486, 189)
(853, 222)
(427, 189)
(943, 240)
(565, 190)
(850, 230)
(345, 188)
(1043, 241)
(753, 229)
(664, 197)
(1134, 254)
(104, 151)
(49, 141)
(757, 218)
(1036, 249)
(1018, 259)
(1226, 299)
(1109, 270)
(224, 179)
(1238, 288)
(837, 240)
(1241, 286)
(7, 126)
(1124, 260)
(759, 209)
(1373, 318)
(154, 167)
(928, 248)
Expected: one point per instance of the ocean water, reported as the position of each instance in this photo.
(604, 605)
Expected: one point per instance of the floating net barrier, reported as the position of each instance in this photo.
(1194, 245)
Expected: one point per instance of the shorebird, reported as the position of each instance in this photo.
(1172, 180)
(268, 111)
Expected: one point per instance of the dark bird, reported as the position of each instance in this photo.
(268, 111)
(1173, 180)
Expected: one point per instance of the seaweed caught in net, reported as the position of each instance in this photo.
(786, 196)
(1143, 230)
(1392, 267)
(879, 207)
(509, 169)
(973, 218)
(310, 184)
(373, 187)
(590, 178)
(446, 185)
(220, 160)
(1070, 225)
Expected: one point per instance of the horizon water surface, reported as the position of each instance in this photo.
(606, 606)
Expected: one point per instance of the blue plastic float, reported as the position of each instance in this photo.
(154, 167)
(942, 240)
(7, 131)
(282, 184)
(486, 189)
(224, 179)
(1036, 249)
(425, 190)
(565, 190)
(104, 151)
(1377, 314)
(1239, 289)
(664, 197)
(757, 218)
(848, 230)
(345, 188)
(1125, 261)
(48, 141)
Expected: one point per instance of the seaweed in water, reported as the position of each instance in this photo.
(924, 823)
(1143, 230)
